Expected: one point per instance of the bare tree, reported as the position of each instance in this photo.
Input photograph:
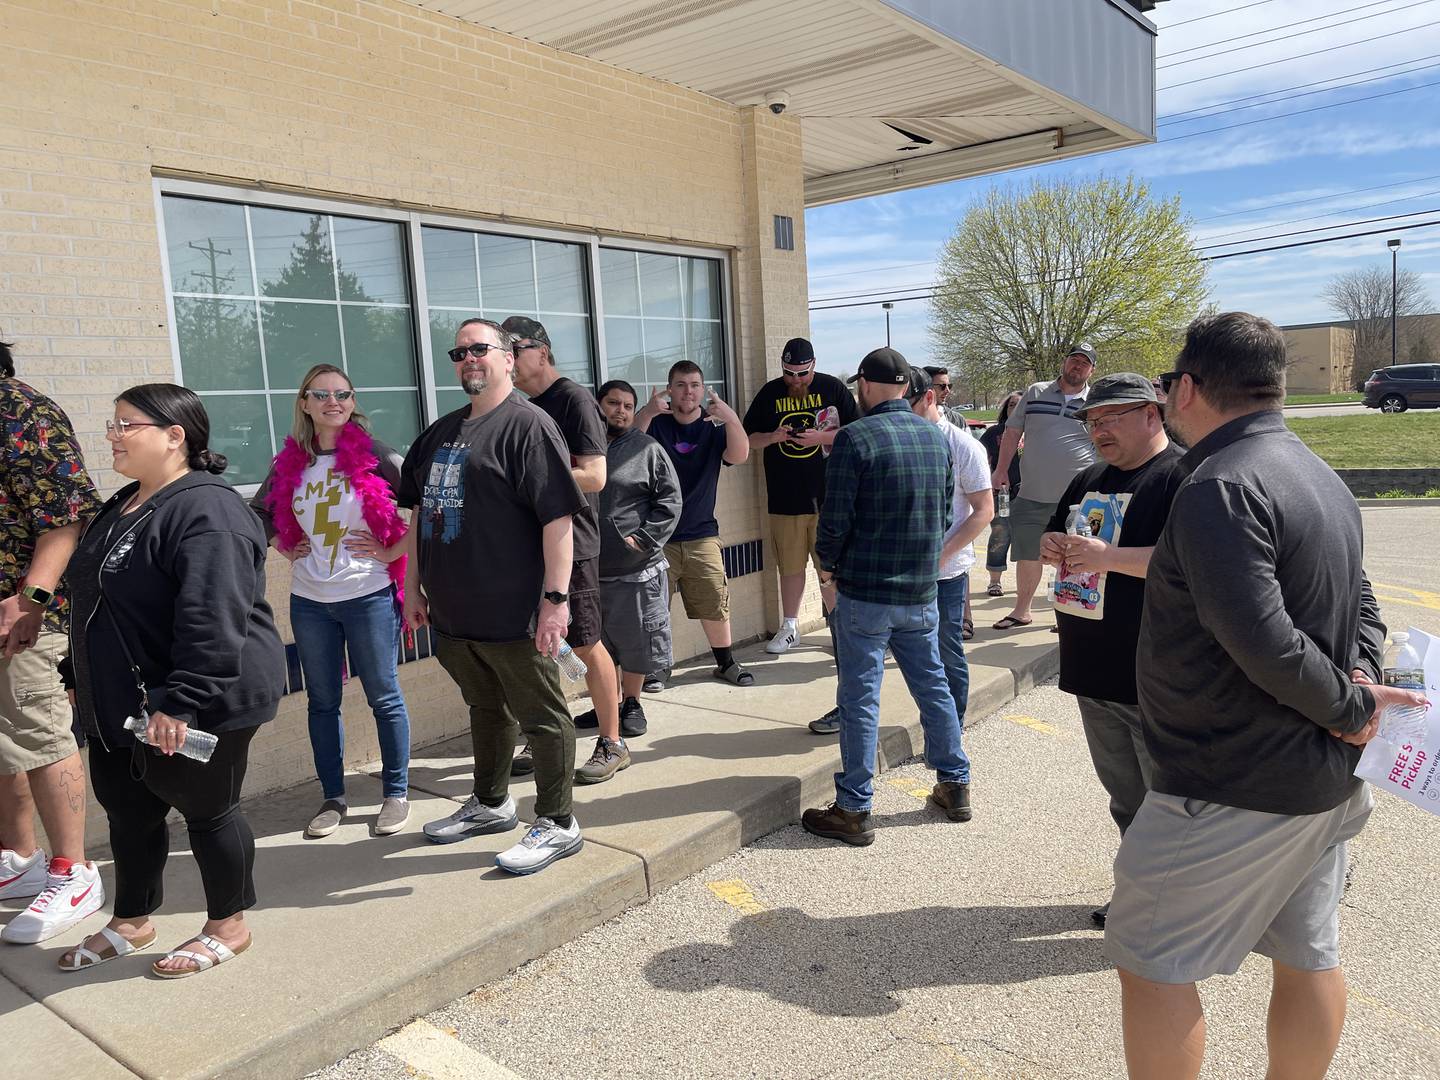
(1362, 297)
(1030, 272)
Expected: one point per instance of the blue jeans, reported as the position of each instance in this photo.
(951, 601)
(862, 631)
(370, 627)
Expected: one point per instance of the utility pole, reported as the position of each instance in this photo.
(887, 306)
(209, 250)
(1394, 246)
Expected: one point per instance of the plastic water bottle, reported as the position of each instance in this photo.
(1002, 504)
(198, 745)
(571, 666)
(1400, 724)
(1072, 526)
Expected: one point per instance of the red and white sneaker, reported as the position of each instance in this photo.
(72, 892)
(21, 877)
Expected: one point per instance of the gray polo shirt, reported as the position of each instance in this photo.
(1057, 447)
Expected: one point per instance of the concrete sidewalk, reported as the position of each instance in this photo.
(355, 934)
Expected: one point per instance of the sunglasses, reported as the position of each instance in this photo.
(1171, 376)
(478, 350)
(326, 395)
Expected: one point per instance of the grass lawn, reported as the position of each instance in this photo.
(1409, 440)
(988, 415)
(1322, 399)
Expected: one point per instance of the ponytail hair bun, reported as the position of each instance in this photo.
(209, 461)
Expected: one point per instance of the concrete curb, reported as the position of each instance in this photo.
(1418, 501)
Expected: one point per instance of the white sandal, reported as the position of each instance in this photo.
(202, 962)
(83, 958)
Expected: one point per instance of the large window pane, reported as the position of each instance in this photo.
(208, 248)
(394, 416)
(664, 345)
(298, 336)
(705, 344)
(292, 254)
(447, 401)
(443, 325)
(507, 274)
(219, 344)
(560, 274)
(660, 285)
(624, 351)
(450, 279)
(379, 346)
(570, 340)
(619, 284)
(240, 429)
(702, 288)
(371, 262)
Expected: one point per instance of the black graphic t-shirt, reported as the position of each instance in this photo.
(1099, 614)
(795, 474)
(697, 450)
(484, 489)
(577, 414)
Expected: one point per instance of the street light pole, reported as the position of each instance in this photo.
(887, 306)
(1394, 246)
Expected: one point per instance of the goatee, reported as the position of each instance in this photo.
(475, 385)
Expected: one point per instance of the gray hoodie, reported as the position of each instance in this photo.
(641, 498)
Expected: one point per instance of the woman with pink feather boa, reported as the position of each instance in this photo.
(328, 506)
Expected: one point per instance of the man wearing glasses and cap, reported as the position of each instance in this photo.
(1124, 500)
(794, 419)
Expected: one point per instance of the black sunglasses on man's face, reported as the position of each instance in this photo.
(477, 350)
(1171, 376)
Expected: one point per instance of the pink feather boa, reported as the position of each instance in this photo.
(355, 459)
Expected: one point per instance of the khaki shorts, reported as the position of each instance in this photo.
(34, 709)
(697, 573)
(794, 538)
(1199, 885)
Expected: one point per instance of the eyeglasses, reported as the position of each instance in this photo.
(1106, 421)
(523, 345)
(942, 388)
(326, 395)
(1171, 376)
(477, 350)
(118, 429)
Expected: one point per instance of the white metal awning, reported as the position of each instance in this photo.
(891, 94)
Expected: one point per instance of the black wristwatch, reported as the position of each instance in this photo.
(557, 598)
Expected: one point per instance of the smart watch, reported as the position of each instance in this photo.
(557, 597)
(37, 595)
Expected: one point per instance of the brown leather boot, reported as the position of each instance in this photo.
(833, 823)
(954, 799)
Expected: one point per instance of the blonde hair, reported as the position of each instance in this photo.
(303, 429)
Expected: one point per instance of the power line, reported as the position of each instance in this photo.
(1300, 112)
(1284, 26)
(1318, 198)
(871, 270)
(1297, 56)
(1320, 228)
(1322, 240)
(1214, 14)
(1287, 37)
(1210, 240)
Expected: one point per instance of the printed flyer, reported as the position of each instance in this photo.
(1410, 769)
(1082, 594)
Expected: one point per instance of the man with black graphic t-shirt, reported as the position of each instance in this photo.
(794, 420)
(1124, 502)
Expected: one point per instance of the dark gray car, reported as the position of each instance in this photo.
(1404, 386)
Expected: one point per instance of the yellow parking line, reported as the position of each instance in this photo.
(1380, 1006)
(437, 1053)
(1034, 725)
(1428, 600)
(738, 895)
(908, 786)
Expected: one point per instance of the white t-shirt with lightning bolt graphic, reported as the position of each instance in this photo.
(327, 508)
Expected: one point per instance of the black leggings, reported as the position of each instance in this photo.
(207, 795)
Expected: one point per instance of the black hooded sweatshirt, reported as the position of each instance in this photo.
(182, 577)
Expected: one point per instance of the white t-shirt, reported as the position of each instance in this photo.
(327, 509)
(972, 474)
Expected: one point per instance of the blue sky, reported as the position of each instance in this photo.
(1300, 172)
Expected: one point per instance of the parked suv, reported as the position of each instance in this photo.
(1404, 386)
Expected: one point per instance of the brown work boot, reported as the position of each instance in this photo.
(954, 799)
(835, 823)
(608, 759)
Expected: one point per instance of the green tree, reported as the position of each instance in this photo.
(1031, 271)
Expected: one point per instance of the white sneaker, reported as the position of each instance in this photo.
(473, 819)
(65, 901)
(542, 845)
(785, 637)
(21, 877)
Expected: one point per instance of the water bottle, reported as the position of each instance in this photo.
(1400, 724)
(1002, 504)
(571, 665)
(198, 745)
(1073, 527)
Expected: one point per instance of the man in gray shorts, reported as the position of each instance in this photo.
(1253, 716)
(639, 509)
(1056, 450)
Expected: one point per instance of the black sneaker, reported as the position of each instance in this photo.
(828, 724)
(1099, 915)
(632, 718)
(954, 799)
(524, 763)
(587, 719)
(654, 682)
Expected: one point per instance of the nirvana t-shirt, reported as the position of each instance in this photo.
(697, 450)
(328, 509)
(484, 489)
(1101, 627)
(795, 474)
(577, 415)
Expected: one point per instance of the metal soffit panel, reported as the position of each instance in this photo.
(852, 77)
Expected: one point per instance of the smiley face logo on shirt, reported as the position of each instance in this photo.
(803, 421)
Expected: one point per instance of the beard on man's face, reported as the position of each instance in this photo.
(615, 432)
(475, 384)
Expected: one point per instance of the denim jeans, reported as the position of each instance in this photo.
(862, 631)
(370, 627)
(998, 546)
(951, 600)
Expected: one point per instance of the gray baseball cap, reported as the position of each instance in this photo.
(1121, 388)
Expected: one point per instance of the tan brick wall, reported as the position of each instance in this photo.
(1320, 358)
(373, 102)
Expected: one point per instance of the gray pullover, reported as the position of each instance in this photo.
(641, 498)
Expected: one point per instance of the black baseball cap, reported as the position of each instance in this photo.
(1121, 388)
(526, 329)
(1084, 349)
(883, 366)
(798, 353)
(920, 381)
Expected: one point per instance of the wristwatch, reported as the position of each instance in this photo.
(557, 597)
(36, 595)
